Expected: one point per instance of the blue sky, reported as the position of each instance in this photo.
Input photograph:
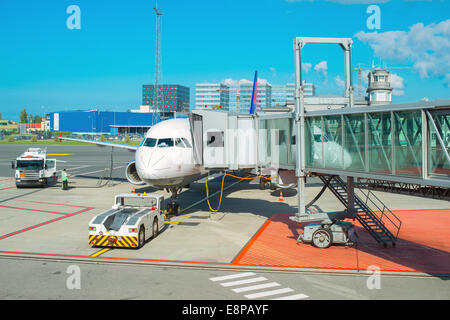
(46, 67)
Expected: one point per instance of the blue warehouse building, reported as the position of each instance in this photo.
(101, 122)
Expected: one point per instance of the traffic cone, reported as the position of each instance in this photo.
(134, 190)
(281, 197)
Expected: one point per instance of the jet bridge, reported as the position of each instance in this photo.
(406, 143)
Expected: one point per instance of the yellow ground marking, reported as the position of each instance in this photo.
(176, 222)
(100, 252)
(60, 154)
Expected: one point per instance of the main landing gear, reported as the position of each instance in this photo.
(173, 207)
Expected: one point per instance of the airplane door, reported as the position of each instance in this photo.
(196, 122)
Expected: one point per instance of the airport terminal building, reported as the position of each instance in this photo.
(101, 122)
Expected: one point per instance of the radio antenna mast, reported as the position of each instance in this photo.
(157, 89)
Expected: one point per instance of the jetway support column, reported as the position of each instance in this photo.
(300, 130)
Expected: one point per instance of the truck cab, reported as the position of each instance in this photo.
(32, 168)
(132, 220)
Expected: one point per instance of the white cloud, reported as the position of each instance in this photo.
(306, 66)
(273, 71)
(322, 69)
(447, 80)
(397, 83)
(426, 47)
(339, 82)
(233, 83)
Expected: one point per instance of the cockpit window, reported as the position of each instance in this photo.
(164, 143)
(186, 143)
(150, 142)
(179, 143)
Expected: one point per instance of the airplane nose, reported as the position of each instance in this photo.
(151, 164)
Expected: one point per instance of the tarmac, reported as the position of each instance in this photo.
(252, 227)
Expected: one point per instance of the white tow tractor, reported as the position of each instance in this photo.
(33, 168)
(133, 219)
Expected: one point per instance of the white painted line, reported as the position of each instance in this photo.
(257, 287)
(268, 293)
(233, 276)
(238, 283)
(86, 173)
(293, 297)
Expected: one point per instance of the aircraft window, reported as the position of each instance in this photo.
(150, 142)
(179, 143)
(186, 143)
(163, 143)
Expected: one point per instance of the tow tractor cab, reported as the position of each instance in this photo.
(33, 168)
(133, 219)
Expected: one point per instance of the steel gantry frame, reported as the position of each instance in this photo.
(299, 43)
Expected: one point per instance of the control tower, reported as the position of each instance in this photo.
(379, 89)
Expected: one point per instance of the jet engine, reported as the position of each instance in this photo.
(132, 175)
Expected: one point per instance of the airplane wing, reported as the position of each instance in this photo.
(102, 143)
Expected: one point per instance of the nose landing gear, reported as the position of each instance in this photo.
(173, 207)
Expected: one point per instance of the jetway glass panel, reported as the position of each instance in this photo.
(379, 142)
(333, 145)
(354, 142)
(438, 163)
(408, 143)
(277, 141)
(314, 142)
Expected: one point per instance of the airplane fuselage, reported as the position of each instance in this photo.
(165, 159)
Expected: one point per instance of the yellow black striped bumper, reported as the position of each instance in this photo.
(110, 241)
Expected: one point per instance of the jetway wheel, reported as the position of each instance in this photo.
(322, 238)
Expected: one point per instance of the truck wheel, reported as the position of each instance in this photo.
(141, 237)
(155, 228)
(322, 238)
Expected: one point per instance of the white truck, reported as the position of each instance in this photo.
(33, 168)
(133, 219)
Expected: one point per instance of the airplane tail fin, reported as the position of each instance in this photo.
(254, 94)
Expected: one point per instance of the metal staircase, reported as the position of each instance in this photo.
(374, 223)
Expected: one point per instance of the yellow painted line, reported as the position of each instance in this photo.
(60, 154)
(176, 222)
(100, 252)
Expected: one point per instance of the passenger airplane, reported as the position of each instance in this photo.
(165, 158)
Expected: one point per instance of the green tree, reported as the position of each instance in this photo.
(37, 119)
(23, 116)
